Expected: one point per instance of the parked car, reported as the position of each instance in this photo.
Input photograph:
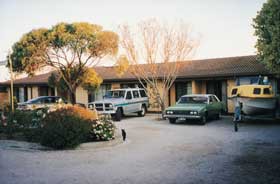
(41, 102)
(198, 106)
(119, 102)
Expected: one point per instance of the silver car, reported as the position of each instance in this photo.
(119, 102)
(40, 103)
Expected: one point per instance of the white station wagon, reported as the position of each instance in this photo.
(119, 102)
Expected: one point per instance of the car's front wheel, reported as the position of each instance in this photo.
(142, 113)
(172, 120)
(203, 119)
(118, 115)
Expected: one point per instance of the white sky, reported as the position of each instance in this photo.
(225, 26)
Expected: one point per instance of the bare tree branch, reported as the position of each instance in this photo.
(154, 51)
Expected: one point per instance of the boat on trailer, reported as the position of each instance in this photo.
(255, 99)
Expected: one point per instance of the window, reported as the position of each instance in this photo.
(115, 94)
(132, 85)
(257, 91)
(234, 91)
(43, 90)
(266, 91)
(3, 89)
(128, 95)
(143, 93)
(193, 100)
(213, 99)
(46, 100)
(135, 94)
(183, 88)
(99, 93)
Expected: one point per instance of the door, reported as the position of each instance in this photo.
(218, 88)
(214, 106)
(128, 106)
(136, 101)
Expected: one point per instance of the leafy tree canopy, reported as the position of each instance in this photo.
(71, 49)
(267, 29)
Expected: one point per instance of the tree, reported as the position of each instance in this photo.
(70, 49)
(154, 51)
(267, 29)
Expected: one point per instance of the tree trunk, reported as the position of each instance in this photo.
(73, 97)
(162, 108)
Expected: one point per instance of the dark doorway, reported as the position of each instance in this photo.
(25, 93)
(218, 88)
(214, 87)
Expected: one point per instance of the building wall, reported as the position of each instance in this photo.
(172, 95)
(21, 94)
(35, 92)
(115, 85)
(81, 96)
(29, 93)
(230, 104)
(198, 87)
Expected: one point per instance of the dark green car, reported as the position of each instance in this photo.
(199, 107)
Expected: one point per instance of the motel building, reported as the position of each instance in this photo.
(208, 76)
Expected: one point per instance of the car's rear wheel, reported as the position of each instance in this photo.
(142, 113)
(218, 116)
(118, 115)
(172, 120)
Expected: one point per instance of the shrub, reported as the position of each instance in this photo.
(22, 121)
(79, 111)
(103, 129)
(66, 127)
(33, 134)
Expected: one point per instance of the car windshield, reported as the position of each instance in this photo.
(115, 94)
(193, 100)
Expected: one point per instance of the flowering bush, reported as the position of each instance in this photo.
(103, 129)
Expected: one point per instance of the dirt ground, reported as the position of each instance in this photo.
(155, 152)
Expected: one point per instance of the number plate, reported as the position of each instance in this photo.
(181, 119)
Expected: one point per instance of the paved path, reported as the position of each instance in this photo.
(155, 152)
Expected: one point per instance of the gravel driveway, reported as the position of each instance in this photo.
(155, 152)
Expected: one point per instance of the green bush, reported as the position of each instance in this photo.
(62, 129)
(33, 134)
(22, 122)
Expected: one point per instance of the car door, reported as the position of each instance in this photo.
(128, 105)
(214, 105)
(136, 101)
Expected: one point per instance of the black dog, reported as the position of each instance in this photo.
(123, 134)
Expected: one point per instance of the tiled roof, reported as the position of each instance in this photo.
(218, 67)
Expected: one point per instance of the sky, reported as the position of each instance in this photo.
(224, 26)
